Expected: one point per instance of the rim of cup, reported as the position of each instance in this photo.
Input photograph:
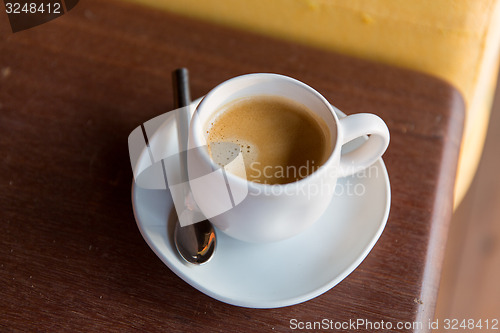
(197, 134)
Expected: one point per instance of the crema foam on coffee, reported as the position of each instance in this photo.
(281, 140)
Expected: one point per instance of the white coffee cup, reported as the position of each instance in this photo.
(256, 212)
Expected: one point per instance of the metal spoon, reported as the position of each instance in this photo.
(195, 242)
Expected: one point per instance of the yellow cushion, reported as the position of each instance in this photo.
(457, 41)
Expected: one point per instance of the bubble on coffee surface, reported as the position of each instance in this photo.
(225, 154)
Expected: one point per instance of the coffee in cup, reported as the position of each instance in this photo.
(281, 140)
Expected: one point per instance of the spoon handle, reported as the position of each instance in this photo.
(182, 98)
(182, 95)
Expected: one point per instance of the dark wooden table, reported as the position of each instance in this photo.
(71, 91)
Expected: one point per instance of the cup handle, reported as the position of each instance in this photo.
(355, 126)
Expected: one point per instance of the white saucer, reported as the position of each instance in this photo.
(277, 274)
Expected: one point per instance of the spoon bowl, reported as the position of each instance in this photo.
(196, 242)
